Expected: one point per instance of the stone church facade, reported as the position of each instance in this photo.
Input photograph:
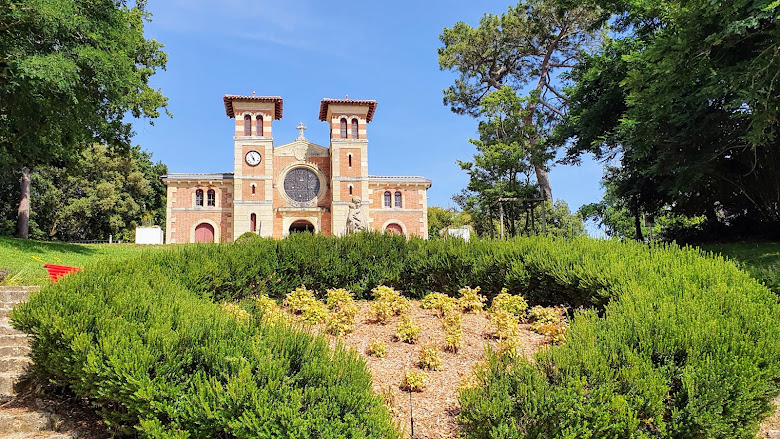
(299, 186)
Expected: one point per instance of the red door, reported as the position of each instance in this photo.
(204, 233)
(394, 229)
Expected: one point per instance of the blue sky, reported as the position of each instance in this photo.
(304, 51)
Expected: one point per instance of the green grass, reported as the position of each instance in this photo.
(760, 259)
(24, 258)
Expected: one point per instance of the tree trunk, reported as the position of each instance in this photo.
(638, 226)
(23, 215)
(543, 178)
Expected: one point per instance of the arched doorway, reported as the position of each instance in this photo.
(204, 232)
(394, 229)
(301, 226)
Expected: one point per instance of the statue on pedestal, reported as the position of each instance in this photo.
(355, 216)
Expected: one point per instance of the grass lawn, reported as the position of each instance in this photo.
(24, 258)
(760, 259)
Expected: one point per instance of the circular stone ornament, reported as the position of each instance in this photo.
(301, 185)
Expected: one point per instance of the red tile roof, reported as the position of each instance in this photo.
(228, 99)
(325, 102)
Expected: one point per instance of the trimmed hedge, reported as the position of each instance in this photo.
(670, 343)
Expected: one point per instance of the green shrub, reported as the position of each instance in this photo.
(414, 381)
(429, 357)
(341, 319)
(452, 324)
(376, 349)
(470, 300)
(512, 303)
(247, 237)
(407, 330)
(303, 303)
(159, 361)
(387, 302)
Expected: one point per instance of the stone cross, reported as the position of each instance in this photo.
(300, 128)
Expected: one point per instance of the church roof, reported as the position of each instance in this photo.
(228, 99)
(399, 179)
(325, 102)
(198, 177)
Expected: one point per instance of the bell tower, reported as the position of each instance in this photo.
(348, 119)
(253, 161)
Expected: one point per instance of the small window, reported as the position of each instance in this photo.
(350, 189)
(199, 197)
(212, 197)
(349, 159)
(398, 199)
(259, 128)
(247, 125)
(387, 199)
(254, 188)
(343, 128)
(253, 222)
(354, 128)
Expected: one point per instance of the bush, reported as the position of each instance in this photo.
(414, 381)
(470, 299)
(341, 319)
(429, 358)
(387, 302)
(303, 303)
(247, 237)
(268, 311)
(407, 330)
(159, 361)
(439, 302)
(511, 303)
(376, 349)
(452, 324)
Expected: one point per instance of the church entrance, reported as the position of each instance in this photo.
(301, 226)
(204, 232)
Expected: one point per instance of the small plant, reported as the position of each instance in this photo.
(387, 302)
(439, 302)
(388, 395)
(302, 302)
(429, 358)
(470, 299)
(341, 320)
(270, 312)
(452, 324)
(376, 349)
(414, 381)
(236, 312)
(407, 330)
(549, 322)
(512, 346)
(513, 303)
(506, 324)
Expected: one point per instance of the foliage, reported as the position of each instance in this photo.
(341, 319)
(376, 349)
(429, 358)
(440, 219)
(238, 313)
(511, 303)
(247, 237)
(506, 324)
(523, 49)
(684, 96)
(414, 381)
(439, 302)
(387, 302)
(550, 322)
(71, 74)
(760, 259)
(159, 360)
(407, 331)
(268, 311)
(302, 302)
(470, 300)
(452, 324)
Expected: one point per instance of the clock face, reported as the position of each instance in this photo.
(253, 158)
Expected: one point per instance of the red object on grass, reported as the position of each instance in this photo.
(57, 271)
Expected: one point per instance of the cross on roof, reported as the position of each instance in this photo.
(300, 128)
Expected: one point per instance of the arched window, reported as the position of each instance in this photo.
(343, 128)
(259, 128)
(350, 189)
(247, 125)
(211, 198)
(398, 199)
(199, 197)
(387, 199)
(354, 128)
(253, 222)
(349, 159)
(254, 188)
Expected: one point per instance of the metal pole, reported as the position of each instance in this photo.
(411, 413)
(544, 219)
(501, 206)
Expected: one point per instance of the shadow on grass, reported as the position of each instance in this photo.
(41, 247)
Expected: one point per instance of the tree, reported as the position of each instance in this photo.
(528, 46)
(440, 218)
(70, 72)
(685, 96)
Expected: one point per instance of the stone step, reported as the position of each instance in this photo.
(7, 329)
(15, 339)
(5, 312)
(7, 382)
(14, 364)
(14, 296)
(14, 351)
(24, 422)
(39, 435)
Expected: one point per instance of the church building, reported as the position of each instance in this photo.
(298, 186)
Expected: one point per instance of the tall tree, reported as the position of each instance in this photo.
(685, 95)
(526, 48)
(70, 72)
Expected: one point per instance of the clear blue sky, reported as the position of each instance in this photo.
(304, 51)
